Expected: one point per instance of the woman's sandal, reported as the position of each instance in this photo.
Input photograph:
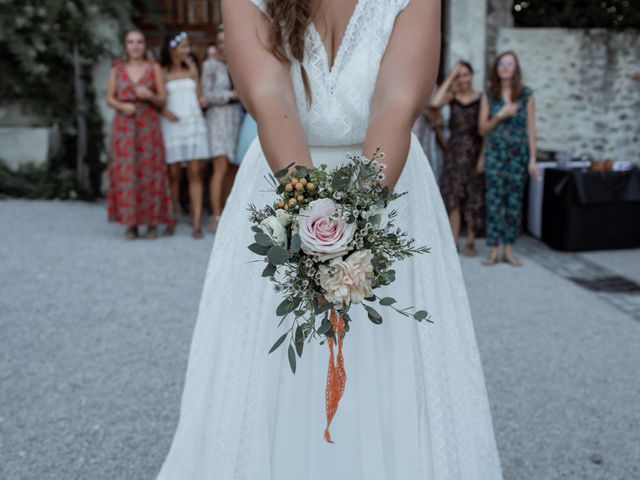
(131, 233)
(511, 260)
(489, 261)
(197, 233)
(152, 233)
(169, 230)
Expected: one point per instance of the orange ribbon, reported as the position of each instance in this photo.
(336, 375)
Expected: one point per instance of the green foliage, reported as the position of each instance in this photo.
(40, 181)
(37, 43)
(612, 14)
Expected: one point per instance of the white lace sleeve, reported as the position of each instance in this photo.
(263, 6)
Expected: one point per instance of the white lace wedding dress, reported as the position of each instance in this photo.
(415, 405)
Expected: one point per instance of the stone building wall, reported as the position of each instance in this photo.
(587, 99)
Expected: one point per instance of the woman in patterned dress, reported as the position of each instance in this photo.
(460, 184)
(224, 114)
(183, 125)
(138, 188)
(507, 119)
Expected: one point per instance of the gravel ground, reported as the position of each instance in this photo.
(95, 334)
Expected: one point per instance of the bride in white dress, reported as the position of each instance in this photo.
(415, 405)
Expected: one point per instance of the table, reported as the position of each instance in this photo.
(533, 201)
(585, 210)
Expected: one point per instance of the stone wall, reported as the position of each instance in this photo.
(465, 31)
(587, 99)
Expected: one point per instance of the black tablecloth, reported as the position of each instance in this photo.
(585, 210)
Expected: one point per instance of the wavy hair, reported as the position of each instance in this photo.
(516, 82)
(290, 20)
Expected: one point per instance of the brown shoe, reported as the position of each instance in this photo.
(169, 230)
(131, 233)
(197, 233)
(152, 232)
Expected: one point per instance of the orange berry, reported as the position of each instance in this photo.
(288, 187)
(310, 186)
(281, 203)
(299, 186)
(286, 207)
(303, 181)
(292, 201)
(294, 180)
(300, 198)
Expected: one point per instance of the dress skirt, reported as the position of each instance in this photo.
(415, 405)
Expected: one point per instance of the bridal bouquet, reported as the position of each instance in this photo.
(329, 242)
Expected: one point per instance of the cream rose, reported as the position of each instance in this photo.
(347, 281)
(283, 217)
(322, 234)
(272, 227)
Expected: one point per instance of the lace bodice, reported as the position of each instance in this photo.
(341, 103)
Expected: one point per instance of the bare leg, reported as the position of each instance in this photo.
(175, 171)
(454, 220)
(194, 172)
(228, 182)
(216, 187)
(509, 257)
(470, 250)
(492, 259)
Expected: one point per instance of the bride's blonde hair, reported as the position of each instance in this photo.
(290, 20)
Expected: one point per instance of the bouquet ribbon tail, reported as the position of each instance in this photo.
(336, 374)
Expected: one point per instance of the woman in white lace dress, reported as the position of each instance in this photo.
(183, 125)
(224, 113)
(415, 406)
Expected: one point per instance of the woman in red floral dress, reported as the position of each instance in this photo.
(138, 185)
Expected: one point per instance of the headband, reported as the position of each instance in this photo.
(175, 41)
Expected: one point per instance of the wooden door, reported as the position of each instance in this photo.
(199, 18)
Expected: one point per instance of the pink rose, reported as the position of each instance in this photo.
(321, 232)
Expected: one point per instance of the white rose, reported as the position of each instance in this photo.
(283, 217)
(323, 233)
(351, 278)
(272, 227)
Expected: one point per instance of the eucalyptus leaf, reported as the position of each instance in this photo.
(373, 315)
(269, 270)
(292, 359)
(386, 301)
(296, 243)
(285, 307)
(325, 327)
(301, 171)
(277, 255)
(278, 342)
(299, 340)
(420, 315)
(263, 239)
(258, 249)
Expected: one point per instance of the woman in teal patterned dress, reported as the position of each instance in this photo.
(507, 120)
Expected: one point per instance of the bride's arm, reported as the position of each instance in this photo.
(264, 85)
(406, 78)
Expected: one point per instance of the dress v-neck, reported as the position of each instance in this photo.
(144, 73)
(331, 65)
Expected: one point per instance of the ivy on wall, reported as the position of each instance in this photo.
(47, 51)
(611, 14)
